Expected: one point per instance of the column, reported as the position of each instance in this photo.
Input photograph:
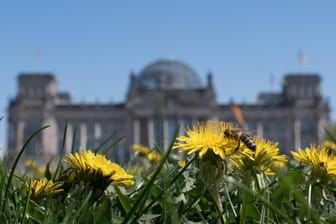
(49, 137)
(68, 140)
(260, 131)
(150, 129)
(136, 132)
(165, 134)
(181, 130)
(97, 131)
(19, 133)
(297, 133)
(82, 135)
(321, 124)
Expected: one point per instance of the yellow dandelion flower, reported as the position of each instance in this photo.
(41, 170)
(182, 163)
(96, 167)
(322, 163)
(146, 152)
(135, 169)
(330, 145)
(212, 144)
(154, 156)
(43, 188)
(265, 157)
(207, 136)
(142, 150)
(30, 163)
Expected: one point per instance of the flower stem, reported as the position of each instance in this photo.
(211, 172)
(310, 195)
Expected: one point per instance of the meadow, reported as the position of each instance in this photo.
(215, 173)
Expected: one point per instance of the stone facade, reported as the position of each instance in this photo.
(164, 95)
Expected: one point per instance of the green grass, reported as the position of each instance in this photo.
(164, 192)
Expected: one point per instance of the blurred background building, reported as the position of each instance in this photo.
(165, 94)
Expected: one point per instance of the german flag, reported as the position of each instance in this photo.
(237, 113)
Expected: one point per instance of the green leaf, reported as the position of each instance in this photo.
(103, 214)
(249, 209)
(149, 217)
(124, 200)
(331, 220)
(35, 212)
(3, 219)
(47, 173)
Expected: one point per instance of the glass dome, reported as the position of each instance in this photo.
(168, 74)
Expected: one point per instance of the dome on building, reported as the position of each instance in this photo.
(168, 74)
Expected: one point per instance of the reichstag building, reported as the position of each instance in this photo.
(165, 94)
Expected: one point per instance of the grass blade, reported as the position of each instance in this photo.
(62, 151)
(112, 145)
(15, 164)
(146, 191)
(262, 199)
(106, 140)
(74, 139)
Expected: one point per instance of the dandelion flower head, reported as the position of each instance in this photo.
(147, 152)
(331, 146)
(321, 162)
(30, 163)
(94, 167)
(42, 188)
(142, 150)
(205, 136)
(265, 157)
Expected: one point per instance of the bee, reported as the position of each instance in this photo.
(241, 135)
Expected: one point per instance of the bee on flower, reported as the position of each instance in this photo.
(213, 144)
(264, 158)
(207, 136)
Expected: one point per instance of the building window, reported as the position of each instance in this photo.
(106, 133)
(309, 91)
(302, 91)
(266, 127)
(293, 90)
(35, 145)
(90, 133)
(143, 131)
(307, 126)
(187, 123)
(281, 140)
(306, 140)
(307, 132)
(172, 125)
(158, 131)
(118, 153)
(11, 132)
(279, 127)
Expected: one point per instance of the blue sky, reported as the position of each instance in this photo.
(92, 46)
